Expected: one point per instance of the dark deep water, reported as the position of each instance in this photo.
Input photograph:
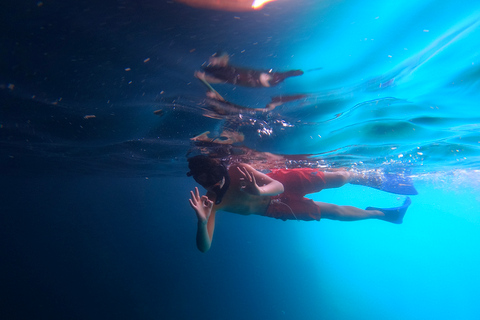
(95, 223)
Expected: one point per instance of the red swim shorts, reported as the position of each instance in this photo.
(292, 204)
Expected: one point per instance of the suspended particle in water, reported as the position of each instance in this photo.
(159, 112)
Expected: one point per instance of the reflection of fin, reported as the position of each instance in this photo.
(389, 182)
(314, 69)
(284, 99)
(394, 215)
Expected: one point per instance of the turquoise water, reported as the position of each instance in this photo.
(95, 220)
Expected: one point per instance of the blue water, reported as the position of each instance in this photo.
(95, 222)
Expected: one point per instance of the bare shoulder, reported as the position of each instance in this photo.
(260, 176)
(235, 170)
(246, 166)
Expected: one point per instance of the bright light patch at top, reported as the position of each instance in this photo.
(258, 4)
(226, 5)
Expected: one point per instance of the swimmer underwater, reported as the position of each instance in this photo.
(280, 194)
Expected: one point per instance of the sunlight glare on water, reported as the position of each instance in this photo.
(258, 4)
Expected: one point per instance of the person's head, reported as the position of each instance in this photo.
(210, 174)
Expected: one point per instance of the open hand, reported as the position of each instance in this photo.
(248, 183)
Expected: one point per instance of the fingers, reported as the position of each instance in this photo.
(253, 180)
(195, 197)
(243, 184)
(198, 201)
(249, 175)
(193, 201)
(240, 170)
(246, 174)
(192, 197)
(207, 202)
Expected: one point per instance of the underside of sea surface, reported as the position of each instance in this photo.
(131, 106)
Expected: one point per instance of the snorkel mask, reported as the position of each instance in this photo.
(209, 174)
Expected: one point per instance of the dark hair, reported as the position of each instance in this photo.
(207, 172)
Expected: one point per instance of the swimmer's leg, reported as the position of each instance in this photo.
(201, 75)
(278, 77)
(388, 182)
(346, 213)
(203, 79)
(349, 213)
(279, 100)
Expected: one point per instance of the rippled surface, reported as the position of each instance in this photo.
(384, 85)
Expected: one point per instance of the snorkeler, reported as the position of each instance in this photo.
(219, 70)
(279, 194)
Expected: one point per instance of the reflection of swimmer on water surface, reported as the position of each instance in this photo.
(223, 107)
(219, 70)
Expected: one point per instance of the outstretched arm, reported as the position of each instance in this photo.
(257, 183)
(206, 219)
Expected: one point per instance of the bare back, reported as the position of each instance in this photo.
(238, 201)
